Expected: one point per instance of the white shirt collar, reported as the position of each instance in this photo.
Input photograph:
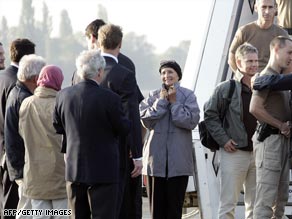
(14, 64)
(110, 55)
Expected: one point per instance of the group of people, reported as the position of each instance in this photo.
(84, 147)
(254, 133)
(80, 147)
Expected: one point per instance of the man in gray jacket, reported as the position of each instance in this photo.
(233, 134)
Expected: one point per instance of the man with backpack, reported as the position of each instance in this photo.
(233, 132)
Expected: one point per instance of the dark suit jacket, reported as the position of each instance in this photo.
(123, 82)
(127, 62)
(7, 82)
(124, 61)
(14, 144)
(92, 119)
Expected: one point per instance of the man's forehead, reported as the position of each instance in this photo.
(250, 55)
(266, 2)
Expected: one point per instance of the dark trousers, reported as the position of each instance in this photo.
(132, 196)
(96, 201)
(166, 196)
(8, 192)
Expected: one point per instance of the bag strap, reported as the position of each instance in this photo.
(231, 91)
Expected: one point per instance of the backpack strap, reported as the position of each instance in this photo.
(231, 90)
(230, 93)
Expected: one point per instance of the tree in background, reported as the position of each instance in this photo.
(102, 13)
(46, 30)
(63, 50)
(65, 29)
(142, 54)
(26, 27)
(178, 53)
(4, 39)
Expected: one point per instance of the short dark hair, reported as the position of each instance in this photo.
(1, 44)
(93, 27)
(110, 36)
(21, 47)
(279, 41)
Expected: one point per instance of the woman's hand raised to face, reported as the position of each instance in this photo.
(172, 94)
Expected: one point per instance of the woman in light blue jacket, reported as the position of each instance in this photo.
(169, 113)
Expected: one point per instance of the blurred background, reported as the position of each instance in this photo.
(153, 30)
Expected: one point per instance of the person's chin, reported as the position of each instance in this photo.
(169, 84)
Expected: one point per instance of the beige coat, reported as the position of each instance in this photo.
(44, 168)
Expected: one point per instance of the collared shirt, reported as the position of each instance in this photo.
(110, 55)
(14, 64)
(248, 120)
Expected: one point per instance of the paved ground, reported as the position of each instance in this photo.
(145, 209)
(188, 213)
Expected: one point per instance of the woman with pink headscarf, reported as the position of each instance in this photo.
(44, 168)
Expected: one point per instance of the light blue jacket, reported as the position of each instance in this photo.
(168, 148)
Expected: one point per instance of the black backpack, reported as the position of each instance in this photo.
(205, 137)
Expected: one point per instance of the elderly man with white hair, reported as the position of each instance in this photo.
(29, 68)
(91, 120)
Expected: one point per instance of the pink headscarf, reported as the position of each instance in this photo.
(51, 76)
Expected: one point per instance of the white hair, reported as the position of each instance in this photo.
(258, 1)
(29, 67)
(88, 63)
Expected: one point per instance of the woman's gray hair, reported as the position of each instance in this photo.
(88, 63)
(29, 67)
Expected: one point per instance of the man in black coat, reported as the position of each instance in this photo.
(18, 49)
(123, 82)
(29, 68)
(131, 198)
(91, 119)
(2, 57)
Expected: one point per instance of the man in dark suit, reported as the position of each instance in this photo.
(92, 119)
(2, 66)
(18, 49)
(122, 81)
(91, 33)
(132, 198)
(2, 57)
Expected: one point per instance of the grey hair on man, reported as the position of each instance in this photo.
(89, 63)
(30, 66)
(244, 49)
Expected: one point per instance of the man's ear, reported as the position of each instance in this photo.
(93, 38)
(256, 7)
(238, 63)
